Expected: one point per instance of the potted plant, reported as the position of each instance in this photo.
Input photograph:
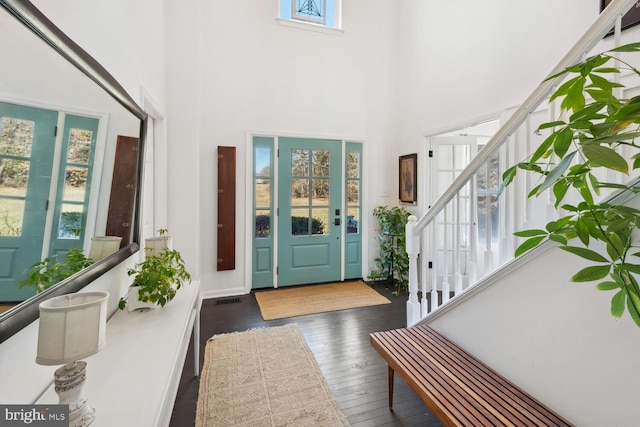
(393, 262)
(156, 279)
(50, 271)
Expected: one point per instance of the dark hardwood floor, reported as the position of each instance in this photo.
(339, 340)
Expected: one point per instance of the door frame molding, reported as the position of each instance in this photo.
(248, 203)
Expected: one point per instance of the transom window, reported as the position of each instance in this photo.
(319, 12)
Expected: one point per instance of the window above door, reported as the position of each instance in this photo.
(323, 15)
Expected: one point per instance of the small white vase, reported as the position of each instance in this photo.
(133, 300)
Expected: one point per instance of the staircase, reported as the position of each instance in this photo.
(524, 318)
(466, 236)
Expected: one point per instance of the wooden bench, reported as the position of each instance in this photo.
(457, 388)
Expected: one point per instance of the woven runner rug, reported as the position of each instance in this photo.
(264, 377)
(300, 300)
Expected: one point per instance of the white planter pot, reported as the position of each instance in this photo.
(134, 303)
(155, 245)
(103, 246)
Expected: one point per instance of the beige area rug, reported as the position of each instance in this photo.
(264, 377)
(297, 301)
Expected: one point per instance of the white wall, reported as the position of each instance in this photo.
(234, 69)
(555, 339)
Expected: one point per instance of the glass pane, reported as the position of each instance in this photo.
(462, 157)
(320, 163)
(353, 196)
(75, 184)
(70, 224)
(11, 217)
(353, 220)
(299, 162)
(79, 146)
(320, 192)
(263, 223)
(300, 192)
(14, 175)
(16, 137)
(263, 161)
(263, 193)
(320, 222)
(353, 164)
(445, 156)
(300, 222)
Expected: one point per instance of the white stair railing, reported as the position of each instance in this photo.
(446, 214)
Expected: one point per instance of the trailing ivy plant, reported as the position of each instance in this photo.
(593, 128)
(393, 262)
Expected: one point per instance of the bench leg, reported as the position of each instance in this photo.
(391, 387)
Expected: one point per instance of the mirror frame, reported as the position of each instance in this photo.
(13, 320)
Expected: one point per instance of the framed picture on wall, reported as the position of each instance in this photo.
(408, 179)
(630, 19)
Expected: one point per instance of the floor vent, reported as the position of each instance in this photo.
(227, 301)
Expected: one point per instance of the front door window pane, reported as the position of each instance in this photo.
(75, 184)
(79, 146)
(70, 222)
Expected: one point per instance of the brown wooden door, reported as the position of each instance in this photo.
(226, 208)
(123, 189)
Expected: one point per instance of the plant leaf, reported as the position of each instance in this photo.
(530, 233)
(528, 244)
(585, 253)
(617, 304)
(594, 272)
(607, 286)
(556, 173)
(605, 156)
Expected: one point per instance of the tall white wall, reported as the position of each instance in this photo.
(234, 68)
(460, 60)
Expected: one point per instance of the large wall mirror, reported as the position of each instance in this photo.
(63, 118)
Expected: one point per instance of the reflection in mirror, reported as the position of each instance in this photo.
(59, 128)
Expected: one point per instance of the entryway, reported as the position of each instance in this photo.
(311, 188)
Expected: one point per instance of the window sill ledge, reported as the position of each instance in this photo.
(310, 27)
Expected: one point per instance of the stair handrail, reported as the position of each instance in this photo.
(583, 46)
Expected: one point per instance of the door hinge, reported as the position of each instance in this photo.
(55, 131)
(46, 205)
(430, 264)
(277, 270)
(430, 153)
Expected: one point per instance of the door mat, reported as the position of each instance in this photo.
(298, 301)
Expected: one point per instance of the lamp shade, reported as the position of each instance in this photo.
(72, 327)
(103, 246)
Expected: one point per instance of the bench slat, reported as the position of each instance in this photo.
(457, 387)
(495, 390)
(507, 390)
(432, 385)
(453, 397)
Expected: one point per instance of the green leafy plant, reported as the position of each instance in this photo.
(590, 134)
(393, 262)
(54, 269)
(158, 276)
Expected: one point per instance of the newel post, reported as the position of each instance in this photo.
(413, 249)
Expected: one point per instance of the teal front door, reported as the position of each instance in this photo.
(27, 144)
(310, 212)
